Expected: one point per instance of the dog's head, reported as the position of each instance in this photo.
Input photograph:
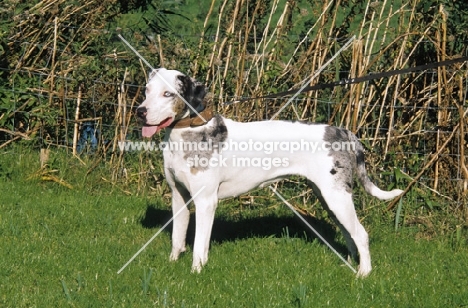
(168, 94)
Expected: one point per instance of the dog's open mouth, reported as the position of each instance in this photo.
(150, 130)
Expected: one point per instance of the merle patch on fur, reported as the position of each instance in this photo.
(193, 92)
(353, 158)
(344, 160)
(215, 135)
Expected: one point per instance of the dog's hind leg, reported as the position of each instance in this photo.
(339, 204)
(181, 214)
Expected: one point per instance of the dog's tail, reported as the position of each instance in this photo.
(369, 187)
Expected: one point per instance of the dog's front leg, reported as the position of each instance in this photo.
(181, 216)
(205, 207)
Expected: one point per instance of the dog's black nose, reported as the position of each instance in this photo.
(141, 112)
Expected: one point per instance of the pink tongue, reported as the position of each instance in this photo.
(148, 131)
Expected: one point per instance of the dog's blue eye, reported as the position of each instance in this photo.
(168, 94)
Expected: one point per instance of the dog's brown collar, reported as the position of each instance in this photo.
(194, 120)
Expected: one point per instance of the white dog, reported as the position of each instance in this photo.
(221, 158)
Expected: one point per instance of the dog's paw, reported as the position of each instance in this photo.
(197, 265)
(174, 256)
(196, 269)
(364, 271)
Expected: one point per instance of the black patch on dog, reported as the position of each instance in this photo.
(193, 92)
(333, 171)
(359, 156)
(205, 141)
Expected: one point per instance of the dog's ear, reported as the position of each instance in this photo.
(199, 93)
(193, 91)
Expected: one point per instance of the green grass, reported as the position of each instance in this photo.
(63, 247)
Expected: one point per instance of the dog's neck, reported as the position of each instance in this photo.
(194, 120)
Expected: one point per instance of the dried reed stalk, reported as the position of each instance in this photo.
(121, 127)
(442, 117)
(52, 71)
(309, 31)
(463, 142)
(202, 38)
(211, 65)
(76, 125)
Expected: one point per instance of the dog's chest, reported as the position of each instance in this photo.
(193, 149)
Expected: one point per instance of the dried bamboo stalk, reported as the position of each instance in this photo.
(52, 72)
(245, 74)
(264, 44)
(161, 55)
(210, 72)
(76, 125)
(462, 124)
(117, 121)
(202, 38)
(309, 31)
(278, 29)
(442, 114)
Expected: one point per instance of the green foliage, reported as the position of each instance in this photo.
(454, 13)
(64, 247)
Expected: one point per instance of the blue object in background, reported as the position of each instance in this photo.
(88, 137)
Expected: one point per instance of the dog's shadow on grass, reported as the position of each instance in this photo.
(267, 226)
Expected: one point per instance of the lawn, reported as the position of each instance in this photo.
(63, 247)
